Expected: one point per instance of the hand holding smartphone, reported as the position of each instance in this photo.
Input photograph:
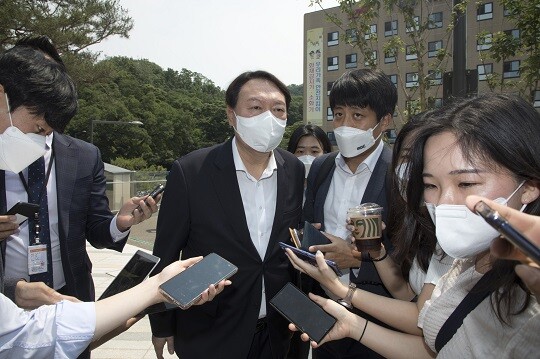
(304, 313)
(186, 288)
(310, 258)
(507, 231)
(155, 192)
(23, 210)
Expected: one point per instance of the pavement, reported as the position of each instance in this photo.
(136, 342)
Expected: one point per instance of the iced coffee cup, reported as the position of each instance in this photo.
(367, 222)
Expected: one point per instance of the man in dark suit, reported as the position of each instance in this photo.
(236, 199)
(73, 206)
(362, 103)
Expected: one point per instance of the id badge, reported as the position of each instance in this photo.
(37, 259)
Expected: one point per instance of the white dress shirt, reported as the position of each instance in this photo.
(346, 191)
(16, 264)
(259, 200)
(62, 330)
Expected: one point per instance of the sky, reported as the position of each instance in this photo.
(217, 38)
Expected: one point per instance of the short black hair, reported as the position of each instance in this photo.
(309, 130)
(363, 88)
(231, 95)
(34, 76)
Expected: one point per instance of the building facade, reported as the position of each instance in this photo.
(328, 53)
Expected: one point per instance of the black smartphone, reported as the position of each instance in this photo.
(23, 210)
(507, 231)
(155, 192)
(312, 236)
(186, 288)
(304, 313)
(310, 257)
(134, 272)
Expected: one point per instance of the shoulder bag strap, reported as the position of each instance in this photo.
(477, 294)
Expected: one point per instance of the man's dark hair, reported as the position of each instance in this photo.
(231, 95)
(363, 88)
(34, 76)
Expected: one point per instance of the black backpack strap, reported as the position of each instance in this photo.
(477, 294)
(324, 170)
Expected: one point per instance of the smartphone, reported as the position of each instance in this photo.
(310, 258)
(507, 231)
(155, 192)
(136, 270)
(304, 313)
(312, 236)
(186, 288)
(23, 210)
(295, 237)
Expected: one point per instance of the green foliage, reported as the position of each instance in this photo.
(181, 111)
(525, 16)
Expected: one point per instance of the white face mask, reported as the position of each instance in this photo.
(19, 150)
(354, 141)
(307, 160)
(460, 232)
(263, 132)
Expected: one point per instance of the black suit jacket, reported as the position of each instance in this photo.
(83, 211)
(202, 212)
(368, 277)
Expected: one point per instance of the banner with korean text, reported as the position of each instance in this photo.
(314, 80)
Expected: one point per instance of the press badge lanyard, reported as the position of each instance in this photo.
(36, 215)
(37, 251)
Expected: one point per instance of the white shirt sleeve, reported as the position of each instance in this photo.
(63, 330)
(115, 232)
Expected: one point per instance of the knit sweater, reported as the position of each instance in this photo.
(482, 335)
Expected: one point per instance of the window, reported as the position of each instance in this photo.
(511, 69)
(410, 53)
(352, 35)
(329, 114)
(484, 11)
(437, 102)
(368, 61)
(333, 63)
(435, 77)
(537, 98)
(484, 42)
(329, 87)
(434, 47)
(435, 20)
(389, 57)
(372, 33)
(332, 138)
(393, 78)
(411, 79)
(414, 25)
(506, 12)
(350, 61)
(390, 28)
(484, 71)
(333, 38)
(513, 33)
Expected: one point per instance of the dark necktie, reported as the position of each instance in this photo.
(37, 193)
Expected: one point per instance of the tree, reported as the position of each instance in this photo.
(73, 25)
(525, 15)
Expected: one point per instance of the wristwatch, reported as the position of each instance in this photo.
(347, 301)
